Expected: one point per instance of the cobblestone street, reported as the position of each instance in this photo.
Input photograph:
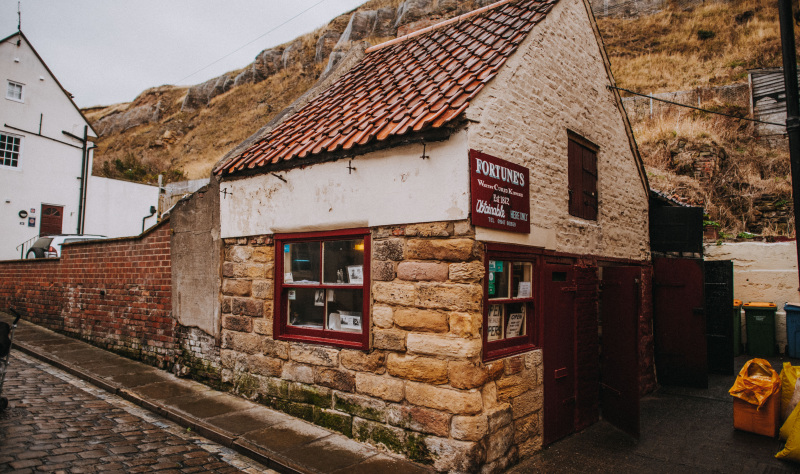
(58, 423)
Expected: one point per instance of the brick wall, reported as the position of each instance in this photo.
(115, 294)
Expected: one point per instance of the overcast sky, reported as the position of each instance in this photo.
(108, 51)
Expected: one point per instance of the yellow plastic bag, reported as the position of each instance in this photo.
(789, 375)
(790, 431)
(756, 382)
(788, 425)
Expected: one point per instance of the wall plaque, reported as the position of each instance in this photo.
(500, 193)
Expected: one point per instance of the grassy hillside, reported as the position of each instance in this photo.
(711, 45)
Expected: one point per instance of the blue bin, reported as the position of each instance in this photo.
(792, 329)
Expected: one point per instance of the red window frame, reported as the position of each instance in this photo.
(493, 350)
(582, 170)
(284, 331)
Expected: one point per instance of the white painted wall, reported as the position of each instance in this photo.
(388, 187)
(115, 208)
(762, 272)
(48, 169)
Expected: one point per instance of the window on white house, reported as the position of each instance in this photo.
(9, 149)
(14, 91)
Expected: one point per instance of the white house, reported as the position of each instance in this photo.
(46, 160)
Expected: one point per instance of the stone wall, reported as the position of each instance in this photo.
(422, 390)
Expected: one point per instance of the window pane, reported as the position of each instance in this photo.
(9, 150)
(301, 262)
(514, 320)
(498, 279)
(505, 321)
(494, 330)
(344, 310)
(306, 307)
(521, 280)
(343, 261)
(14, 91)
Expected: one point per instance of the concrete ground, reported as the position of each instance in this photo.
(683, 430)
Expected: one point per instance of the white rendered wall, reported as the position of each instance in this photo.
(115, 208)
(48, 171)
(394, 186)
(762, 272)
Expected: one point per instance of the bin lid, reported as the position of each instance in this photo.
(759, 305)
(737, 302)
(794, 306)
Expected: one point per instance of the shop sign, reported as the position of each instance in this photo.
(500, 193)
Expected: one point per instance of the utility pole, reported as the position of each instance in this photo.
(792, 108)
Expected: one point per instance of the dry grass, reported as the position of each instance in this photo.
(666, 51)
(751, 176)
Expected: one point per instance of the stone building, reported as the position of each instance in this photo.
(413, 254)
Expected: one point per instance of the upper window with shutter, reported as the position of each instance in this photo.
(582, 178)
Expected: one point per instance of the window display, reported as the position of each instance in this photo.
(323, 293)
(509, 305)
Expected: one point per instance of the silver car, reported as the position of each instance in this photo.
(49, 246)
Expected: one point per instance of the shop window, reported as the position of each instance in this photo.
(9, 150)
(322, 290)
(14, 91)
(582, 162)
(509, 316)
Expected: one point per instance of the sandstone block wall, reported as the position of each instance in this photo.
(422, 390)
(554, 83)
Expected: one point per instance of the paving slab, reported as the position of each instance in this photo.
(273, 438)
(205, 405)
(137, 379)
(285, 436)
(164, 390)
(241, 422)
(330, 453)
(382, 464)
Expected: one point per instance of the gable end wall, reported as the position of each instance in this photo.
(557, 82)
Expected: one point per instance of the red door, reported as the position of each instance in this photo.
(51, 219)
(619, 358)
(558, 344)
(679, 322)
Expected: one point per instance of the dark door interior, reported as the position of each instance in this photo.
(619, 358)
(719, 319)
(51, 219)
(558, 290)
(679, 322)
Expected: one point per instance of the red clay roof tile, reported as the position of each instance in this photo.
(417, 82)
